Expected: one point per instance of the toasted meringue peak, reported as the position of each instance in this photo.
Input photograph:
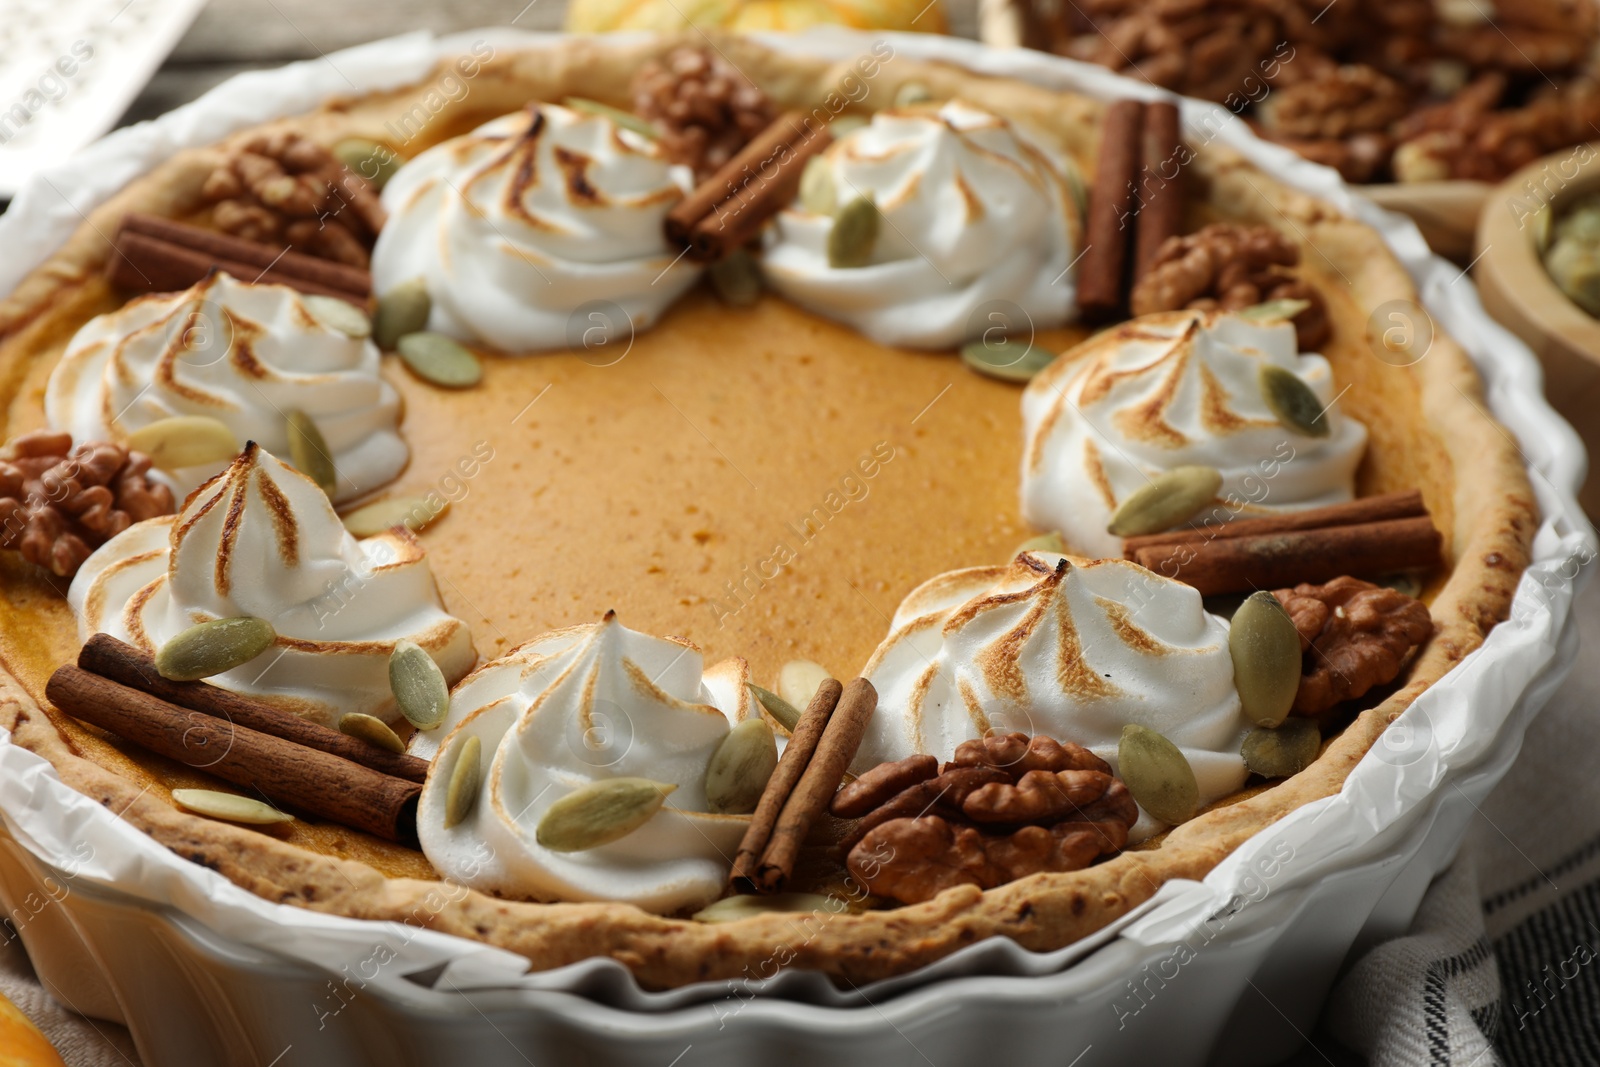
(572, 707)
(519, 225)
(1174, 389)
(261, 539)
(977, 218)
(1073, 649)
(242, 353)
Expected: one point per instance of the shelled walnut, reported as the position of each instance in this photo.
(1344, 101)
(1469, 140)
(705, 107)
(1005, 807)
(1341, 84)
(59, 503)
(1231, 267)
(1339, 117)
(282, 188)
(1355, 635)
(1531, 37)
(1195, 49)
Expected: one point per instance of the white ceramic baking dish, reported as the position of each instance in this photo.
(1229, 970)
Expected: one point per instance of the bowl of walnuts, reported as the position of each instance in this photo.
(1425, 104)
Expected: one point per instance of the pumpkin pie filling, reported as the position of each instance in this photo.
(764, 483)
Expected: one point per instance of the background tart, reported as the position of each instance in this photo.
(661, 483)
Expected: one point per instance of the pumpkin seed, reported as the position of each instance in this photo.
(1266, 658)
(910, 94)
(418, 684)
(599, 813)
(1273, 310)
(1047, 542)
(855, 231)
(1010, 359)
(1170, 499)
(845, 125)
(1292, 400)
(799, 680)
(818, 194)
(374, 163)
(185, 441)
(309, 452)
(461, 793)
(748, 905)
(1281, 752)
(736, 279)
(435, 358)
(402, 310)
(1540, 230)
(414, 513)
(372, 730)
(339, 315)
(1157, 774)
(232, 807)
(214, 647)
(740, 767)
(626, 119)
(786, 714)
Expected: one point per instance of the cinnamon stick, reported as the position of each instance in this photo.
(816, 787)
(126, 665)
(726, 210)
(791, 768)
(1103, 270)
(1405, 504)
(286, 773)
(322, 271)
(1277, 560)
(1035, 29)
(1162, 154)
(143, 264)
(155, 254)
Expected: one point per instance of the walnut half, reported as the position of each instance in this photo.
(284, 188)
(707, 110)
(1005, 807)
(1231, 267)
(59, 503)
(1355, 635)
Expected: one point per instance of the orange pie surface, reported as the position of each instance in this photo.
(761, 481)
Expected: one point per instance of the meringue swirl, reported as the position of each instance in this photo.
(242, 353)
(262, 539)
(568, 708)
(974, 212)
(1072, 649)
(1174, 389)
(518, 225)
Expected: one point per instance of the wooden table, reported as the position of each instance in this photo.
(231, 36)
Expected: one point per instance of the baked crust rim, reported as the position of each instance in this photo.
(1494, 516)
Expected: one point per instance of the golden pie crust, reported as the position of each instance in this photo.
(791, 400)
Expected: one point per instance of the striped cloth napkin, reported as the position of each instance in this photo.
(1502, 965)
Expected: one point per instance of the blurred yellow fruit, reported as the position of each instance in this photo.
(602, 16)
(20, 1044)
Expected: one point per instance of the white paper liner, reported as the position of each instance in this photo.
(1452, 726)
(124, 52)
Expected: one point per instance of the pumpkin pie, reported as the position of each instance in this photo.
(802, 475)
